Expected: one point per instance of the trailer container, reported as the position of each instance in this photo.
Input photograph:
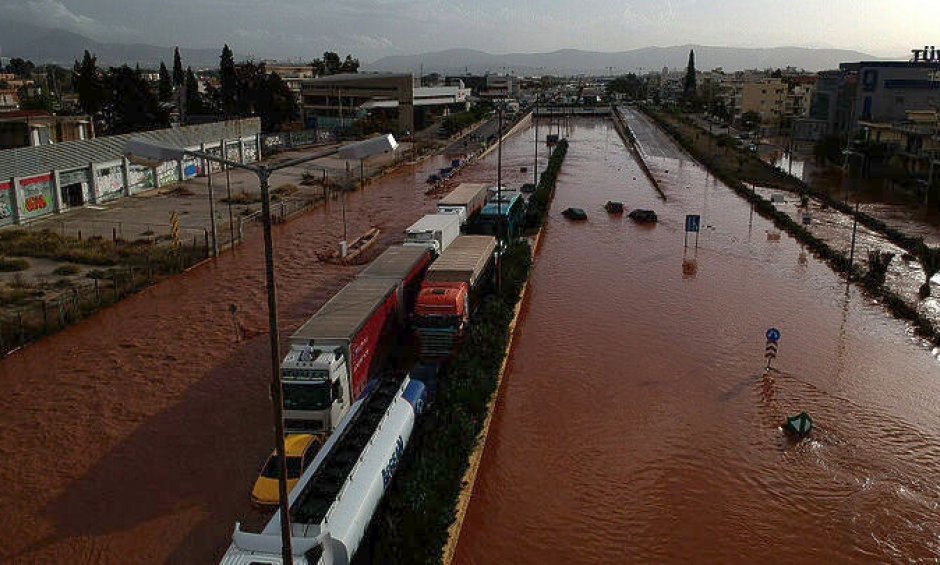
(336, 497)
(451, 286)
(465, 201)
(434, 231)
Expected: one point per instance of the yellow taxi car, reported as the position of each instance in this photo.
(300, 450)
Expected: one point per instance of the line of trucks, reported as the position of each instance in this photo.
(342, 376)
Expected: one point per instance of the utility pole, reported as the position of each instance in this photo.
(852, 250)
(215, 236)
(277, 391)
(535, 165)
(499, 199)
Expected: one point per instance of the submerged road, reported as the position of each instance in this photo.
(136, 435)
(636, 423)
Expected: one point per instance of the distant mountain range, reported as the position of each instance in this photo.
(573, 61)
(46, 45)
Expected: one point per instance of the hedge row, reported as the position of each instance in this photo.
(836, 259)
(537, 208)
(412, 524)
(911, 244)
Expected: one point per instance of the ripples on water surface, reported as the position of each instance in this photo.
(636, 423)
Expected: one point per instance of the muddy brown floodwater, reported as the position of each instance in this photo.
(636, 424)
(135, 436)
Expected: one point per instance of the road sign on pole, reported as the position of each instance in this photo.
(693, 223)
(770, 350)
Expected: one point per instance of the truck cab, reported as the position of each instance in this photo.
(441, 315)
(316, 396)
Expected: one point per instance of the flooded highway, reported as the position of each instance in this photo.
(636, 423)
(135, 436)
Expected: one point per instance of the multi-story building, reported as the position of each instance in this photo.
(292, 74)
(767, 97)
(862, 94)
(28, 128)
(338, 101)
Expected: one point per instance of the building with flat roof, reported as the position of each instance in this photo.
(293, 75)
(29, 128)
(338, 101)
(767, 97)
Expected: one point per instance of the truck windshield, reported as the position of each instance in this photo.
(436, 321)
(307, 396)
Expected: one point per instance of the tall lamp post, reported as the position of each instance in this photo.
(146, 152)
(535, 165)
(499, 197)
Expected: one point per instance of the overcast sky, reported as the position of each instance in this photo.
(371, 29)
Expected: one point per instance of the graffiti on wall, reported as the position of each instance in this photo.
(140, 178)
(167, 173)
(37, 196)
(251, 151)
(232, 152)
(110, 182)
(6, 203)
(215, 152)
(192, 167)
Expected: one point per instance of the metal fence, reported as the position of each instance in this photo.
(285, 141)
(51, 306)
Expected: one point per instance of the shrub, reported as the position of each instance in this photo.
(413, 520)
(8, 265)
(65, 270)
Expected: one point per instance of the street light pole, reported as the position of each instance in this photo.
(535, 165)
(277, 392)
(153, 154)
(499, 197)
(215, 239)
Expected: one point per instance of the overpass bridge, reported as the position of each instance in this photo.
(561, 111)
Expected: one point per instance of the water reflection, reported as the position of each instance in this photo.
(634, 411)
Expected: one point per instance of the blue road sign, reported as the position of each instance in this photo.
(692, 222)
(773, 335)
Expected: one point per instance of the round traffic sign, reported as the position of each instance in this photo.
(773, 334)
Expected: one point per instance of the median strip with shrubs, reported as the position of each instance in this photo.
(872, 282)
(412, 524)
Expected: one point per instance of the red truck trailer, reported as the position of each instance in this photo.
(333, 355)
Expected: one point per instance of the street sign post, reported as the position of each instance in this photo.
(693, 223)
(770, 350)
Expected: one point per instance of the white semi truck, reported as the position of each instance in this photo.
(335, 498)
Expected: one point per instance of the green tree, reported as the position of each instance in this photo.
(165, 86)
(688, 85)
(930, 261)
(194, 99)
(133, 105)
(228, 82)
(629, 85)
(89, 84)
(21, 68)
(41, 100)
(349, 65)
(178, 76)
(331, 64)
(750, 120)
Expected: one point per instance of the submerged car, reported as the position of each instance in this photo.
(300, 450)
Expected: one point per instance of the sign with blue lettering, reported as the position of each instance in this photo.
(693, 222)
(773, 335)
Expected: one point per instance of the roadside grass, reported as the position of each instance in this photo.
(9, 265)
